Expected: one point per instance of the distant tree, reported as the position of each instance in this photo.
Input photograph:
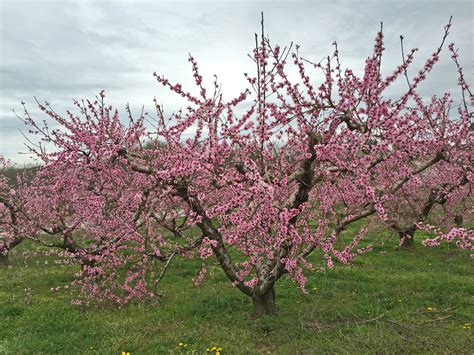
(443, 199)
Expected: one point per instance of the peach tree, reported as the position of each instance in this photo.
(267, 181)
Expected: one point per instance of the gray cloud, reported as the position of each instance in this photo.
(58, 50)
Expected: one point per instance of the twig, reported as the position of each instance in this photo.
(363, 321)
(404, 63)
(163, 271)
(437, 319)
(411, 333)
(399, 324)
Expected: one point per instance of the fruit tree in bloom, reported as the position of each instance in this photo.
(268, 180)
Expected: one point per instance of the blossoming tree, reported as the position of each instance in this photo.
(261, 189)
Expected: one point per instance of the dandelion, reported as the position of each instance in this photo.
(429, 309)
(467, 326)
(217, 350)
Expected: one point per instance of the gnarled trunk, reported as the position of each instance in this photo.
(5, 250)
(264, 304)
(4, 259)
(407, 239)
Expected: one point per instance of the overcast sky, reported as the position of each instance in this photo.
(60, 50)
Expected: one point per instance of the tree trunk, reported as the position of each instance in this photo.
(5, 251)
(264, 304)
(407, 239)
(85, 262)
(4, 259)
(458, 220)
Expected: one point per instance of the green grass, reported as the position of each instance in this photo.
(377, 305)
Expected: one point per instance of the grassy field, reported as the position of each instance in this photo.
(388, 301)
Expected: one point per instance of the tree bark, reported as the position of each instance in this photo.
(5, 251)
(407, 239)
(264, 304)
(4, 259)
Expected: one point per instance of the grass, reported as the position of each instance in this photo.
(388, 301)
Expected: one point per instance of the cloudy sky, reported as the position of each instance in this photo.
(60, 50)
